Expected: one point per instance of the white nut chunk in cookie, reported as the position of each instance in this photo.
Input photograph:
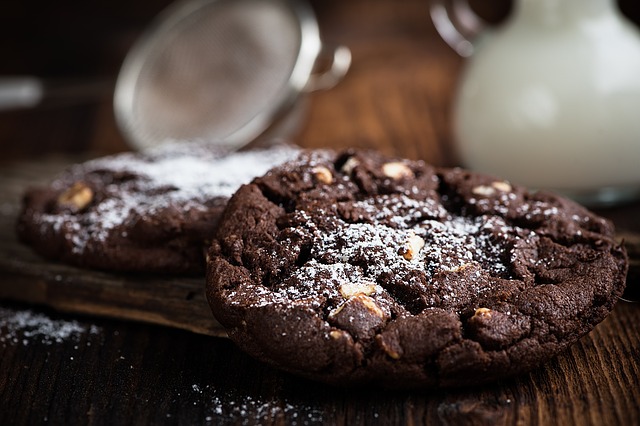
(323, 175)
(502, 186)
(482, 312)
(389, 349)
(349, 165)
(348, 290)
(360, 316)
(77, 197)
(458, 268)
(412, 247)
(336, 334)
(488, 190)
(396, 170)
(483, 190)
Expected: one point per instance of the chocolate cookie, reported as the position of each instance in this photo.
(353, 268)
(153, 212)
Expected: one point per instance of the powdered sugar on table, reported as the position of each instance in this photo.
(26, 326)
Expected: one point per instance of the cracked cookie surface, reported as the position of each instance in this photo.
(351, 268)
(140, 212)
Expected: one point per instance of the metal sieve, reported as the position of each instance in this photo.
(220, 70)
(223, 71)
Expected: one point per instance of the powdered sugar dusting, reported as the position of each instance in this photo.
(229, 406)
(173, 176)
(448, 245)
(301, 284)
(371, 250)
(26, 326)
(198, 174)
(400, 209)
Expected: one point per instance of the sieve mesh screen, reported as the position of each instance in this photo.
(213, 70)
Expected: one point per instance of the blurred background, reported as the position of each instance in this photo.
(397, 90)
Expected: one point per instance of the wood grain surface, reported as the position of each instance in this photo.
(65, 361)
(170, 301)
(196, 378)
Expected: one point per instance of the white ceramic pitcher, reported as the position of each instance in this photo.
(550, 98)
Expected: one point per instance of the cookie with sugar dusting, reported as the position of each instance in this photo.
(352, 268)
(140, 212)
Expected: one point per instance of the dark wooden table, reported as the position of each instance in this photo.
(71, 368)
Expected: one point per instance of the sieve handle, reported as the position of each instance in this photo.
(20, 92)
(340, 57)
(29, 92)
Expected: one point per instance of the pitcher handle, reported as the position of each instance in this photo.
(457, 24)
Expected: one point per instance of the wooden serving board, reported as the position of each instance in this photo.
(26, 277)
(170, 301)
